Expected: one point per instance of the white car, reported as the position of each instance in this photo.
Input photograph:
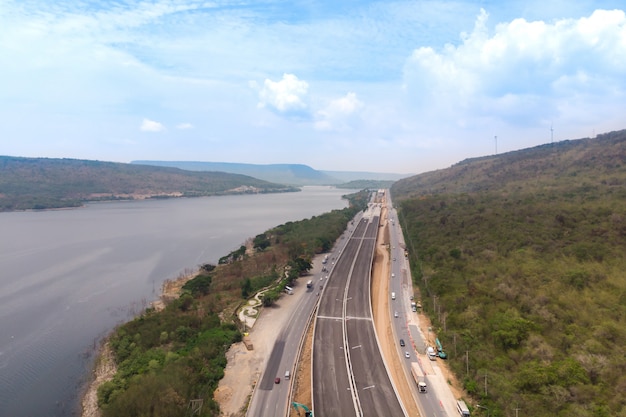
(395, 314)
(393, 275)
(407, 354)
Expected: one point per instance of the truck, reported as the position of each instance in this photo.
(414, 306)
(461, 407)
(309, 284)
(418, 375)
(432, 355)
(325, 259)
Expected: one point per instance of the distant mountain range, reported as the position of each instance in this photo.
(44, 183)
(291, 174)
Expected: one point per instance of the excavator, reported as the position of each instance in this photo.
(307, 412)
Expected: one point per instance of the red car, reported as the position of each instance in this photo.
(277, 380)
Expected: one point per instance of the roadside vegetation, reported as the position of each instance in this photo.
(520, 261)
(45, 183)
(167, 358)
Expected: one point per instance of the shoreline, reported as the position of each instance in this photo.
(104, 367)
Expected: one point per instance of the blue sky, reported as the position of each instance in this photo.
(389, 86)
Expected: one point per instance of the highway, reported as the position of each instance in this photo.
(438, 400)
(348, 372)
(269, 398)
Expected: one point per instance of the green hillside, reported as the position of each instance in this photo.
(520, 260)
(41, 183)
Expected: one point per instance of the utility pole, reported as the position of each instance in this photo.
(467, 362)
(455, 345)
(485, 385)
(517, 411)
(496, 139)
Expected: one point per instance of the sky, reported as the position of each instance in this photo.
(378, 86)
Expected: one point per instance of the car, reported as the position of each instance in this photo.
(407, 354)
(277, 380)
(393, 275)
(395, 314)
(394, 259)
(402, 342)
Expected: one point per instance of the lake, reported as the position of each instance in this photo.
(67, 277)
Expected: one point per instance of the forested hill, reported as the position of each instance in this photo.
(563, 164)
(520, 260)
(41, 183)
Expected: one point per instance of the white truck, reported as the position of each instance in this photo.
(418, 375)
(461, 407)
(432, 353)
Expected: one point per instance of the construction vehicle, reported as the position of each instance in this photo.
(307, 411)
(440, 351)
(432, 355)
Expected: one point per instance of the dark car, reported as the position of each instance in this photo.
(277, 380)
(401, 342)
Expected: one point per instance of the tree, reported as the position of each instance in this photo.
(261, 242)
(510, 329)
(246, 288)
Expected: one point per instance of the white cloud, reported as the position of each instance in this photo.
(287, 96)
(151, 126)
(339, 114)
(184, 126)
(522, 71)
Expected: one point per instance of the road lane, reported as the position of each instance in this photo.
(373, 388)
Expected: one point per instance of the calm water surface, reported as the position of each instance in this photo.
(67, 277)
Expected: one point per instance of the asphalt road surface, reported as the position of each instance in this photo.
(349, 375)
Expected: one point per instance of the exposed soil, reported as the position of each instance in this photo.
(382, 320)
